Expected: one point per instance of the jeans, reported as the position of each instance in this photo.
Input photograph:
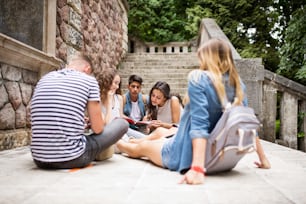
(95, 144)
(135, 134)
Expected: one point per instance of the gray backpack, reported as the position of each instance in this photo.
(233, 136)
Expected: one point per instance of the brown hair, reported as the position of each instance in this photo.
(105, 79)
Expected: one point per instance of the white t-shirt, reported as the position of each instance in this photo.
(135, 112)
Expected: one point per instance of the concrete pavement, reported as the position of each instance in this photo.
(121, 180)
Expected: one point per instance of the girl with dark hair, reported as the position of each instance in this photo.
(163, 111)
(163, 108)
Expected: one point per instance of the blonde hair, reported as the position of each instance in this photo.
(215, 56)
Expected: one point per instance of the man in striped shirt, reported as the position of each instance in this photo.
(58, 108)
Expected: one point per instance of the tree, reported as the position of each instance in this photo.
(292, 53)
(256, 28)
(155, 21)
(248, 25)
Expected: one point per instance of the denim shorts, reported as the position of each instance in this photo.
(165, 152)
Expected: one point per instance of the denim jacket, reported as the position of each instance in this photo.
(128, 105)
(198, 120)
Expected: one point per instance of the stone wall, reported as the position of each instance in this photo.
(16, 87)
(99, 28)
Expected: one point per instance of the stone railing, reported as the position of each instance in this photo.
(136, 46)
(284, 101)
(275, 99)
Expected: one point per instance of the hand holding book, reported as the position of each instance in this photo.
(137, 123)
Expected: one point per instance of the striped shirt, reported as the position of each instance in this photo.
(57, 114)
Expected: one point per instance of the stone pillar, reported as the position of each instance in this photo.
(169, 49)
(269, 108)
(185, 49)
(252, 74)
(152, 49)
(160, 49)
(49, 45)
(288, 112)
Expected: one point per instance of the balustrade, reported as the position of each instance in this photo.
(284, 103)
(153, 48)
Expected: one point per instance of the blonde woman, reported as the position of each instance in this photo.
(185, 152)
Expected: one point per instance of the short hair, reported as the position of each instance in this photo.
(86, 59)
(136, 78)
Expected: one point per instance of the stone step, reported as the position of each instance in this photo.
(181, 91)
(174, 81)
(156, 74)
(149, 84)
(176, 87)
(144, 66)
(140, 56)
(189, 60)
(172, 68)
(177, 63)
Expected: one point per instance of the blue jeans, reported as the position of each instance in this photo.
(95, 144)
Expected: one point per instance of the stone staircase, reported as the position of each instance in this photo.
(170, 67)
(270, 94)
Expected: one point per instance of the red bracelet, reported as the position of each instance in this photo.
(198, 169)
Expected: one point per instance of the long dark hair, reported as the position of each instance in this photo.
(165, 89)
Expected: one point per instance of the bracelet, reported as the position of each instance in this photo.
(198, 169)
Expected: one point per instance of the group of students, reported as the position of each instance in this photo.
(68, 101)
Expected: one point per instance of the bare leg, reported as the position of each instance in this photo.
(157, 134)
(264, 162)
(150, 149)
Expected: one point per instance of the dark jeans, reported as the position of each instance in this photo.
(95, 144)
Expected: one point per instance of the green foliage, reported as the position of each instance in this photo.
(301, 117)
(277, 128)
(155, 21)
(194, 17)
(256, 28)
(292, 53)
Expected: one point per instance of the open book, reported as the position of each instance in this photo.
(140, 126)
(137, 123)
